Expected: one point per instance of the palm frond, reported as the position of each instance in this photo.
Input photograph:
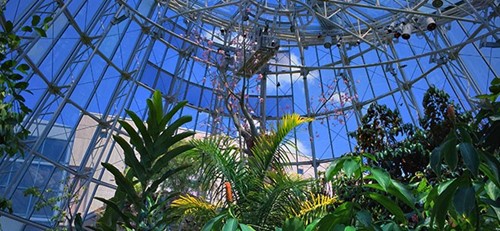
(220, 163)
(267, 152)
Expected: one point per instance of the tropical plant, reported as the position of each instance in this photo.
(468, 199)
(249, 191)
(137, 205)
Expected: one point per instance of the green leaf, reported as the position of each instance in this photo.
(116, 209)
(35, 20)
(23, 68)
(442, 202)
(47, 20)
(436, 160)
(123, 183)
(470, 157)
(244, 227)
(389, 205)
(334, 168)
(212, 223)
(131, 160)
(231, 225)
(21, 85)
(312, 226)
(490, 168)
(40, 31)
(27, 29)
(8, 26)
(349, 228)
(392, 226)
(293, 224)
(364, 217)
(449, 152)
(350, 166)
(382, 177)
(464, 200)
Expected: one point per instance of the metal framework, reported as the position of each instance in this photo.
(328, 60)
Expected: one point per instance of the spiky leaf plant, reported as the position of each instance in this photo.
(153, 144)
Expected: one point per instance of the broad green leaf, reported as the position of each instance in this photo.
(349, 228)
(389, 205)
(231, 225)
(313, 225)
(449, 152)
(464, 200)
(470, 157)
(244, 227)
(442, 202)
(364, 217)
(436, 160)
(293, 224)
(334, 168)
(350, 166)
(212, 223)
(382, 177)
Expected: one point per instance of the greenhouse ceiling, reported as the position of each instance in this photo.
(240, 65)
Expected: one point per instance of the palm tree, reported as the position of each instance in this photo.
(254, 190)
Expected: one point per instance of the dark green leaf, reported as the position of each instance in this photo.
(436, 160)
(389, 205)
(470, 157)
(21, 85)
(464, 200)
(491, 170)
(364, 217)
(23, 68)
(123, 183)
(334, 168)
(47, 20)
(212, 223)
(293, 224)
(382, 177)
(131, 160)
(231, 225)
(442, 202)
(27, 29)
(8, 26)
(35, 20)
(312, 226)
(350, 166)
(449, 151)
(115, 208)
(390, 227)
(40, 31)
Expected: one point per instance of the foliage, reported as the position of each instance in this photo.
(136, 205)
(13, 110)
(254, 190)
(469, 198)
(398, 147)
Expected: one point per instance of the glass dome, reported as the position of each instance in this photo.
(328, 60)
